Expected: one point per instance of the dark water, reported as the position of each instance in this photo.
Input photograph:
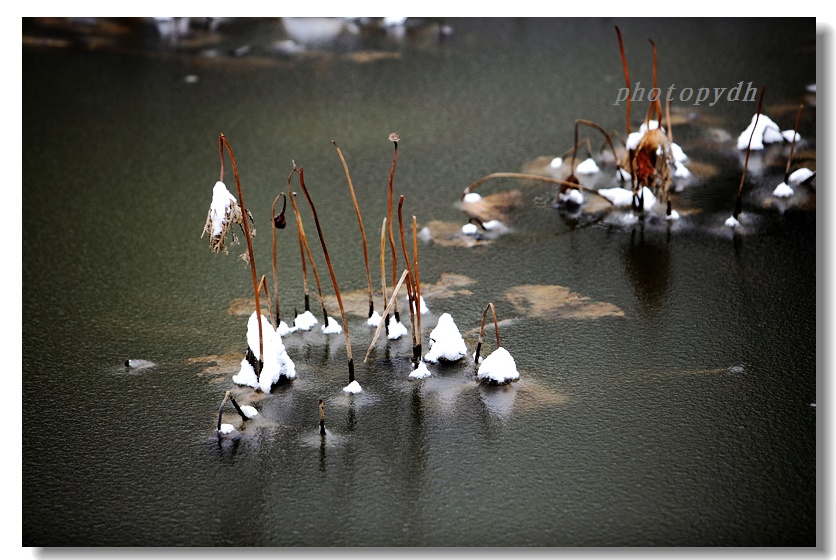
(688, 419)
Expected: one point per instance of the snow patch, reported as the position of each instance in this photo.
(446, 342)
(783, 191)
(305, 321)
(353, 388)
(587, 167)
(421, 372)
(499, 367)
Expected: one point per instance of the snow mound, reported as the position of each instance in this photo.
(421, 372)
(353, 388)
(587, 167)
(783, 191)
(499, 367)
(446, 342)
(396, 329)
(305, 321)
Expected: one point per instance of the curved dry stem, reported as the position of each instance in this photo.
(656, 102)
(331, 272)
(221, 408)
(530, 177)
(304, 240)
(602, 131)
(262, 286)
(394, 138)
(410, 283)
(626, 74)
(300, 231)
(362, 229)
(575, 148)
(792, 146)
(482, 330)
(277, 220)
(251, 256)
(738, 203)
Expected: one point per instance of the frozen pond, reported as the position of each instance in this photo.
(667, 391)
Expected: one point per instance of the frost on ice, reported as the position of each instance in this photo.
(446, 342)
(277, 363)
(498, 368)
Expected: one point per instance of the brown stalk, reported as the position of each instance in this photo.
(262, 286)
(279, 222)
(362, 229)
(738, 203)
(626, 74)
(333, 277)
(393, 138)
(410, 286)
(657, 103)
(482, 330)
(304, 241)
(602, 131)
(228, 396)
(251, 257)
(301, 234)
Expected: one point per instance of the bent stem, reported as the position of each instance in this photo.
(656, 102)
(482, 330)
(228, 397)
(393, 138)
(333, 277)
(251, 257)
(301, 234)
(304, 241)
(626, 74)
(601, 130)
(262, 286)
(738, 203)
(410, 286)
(362, 229)
(279, 222)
